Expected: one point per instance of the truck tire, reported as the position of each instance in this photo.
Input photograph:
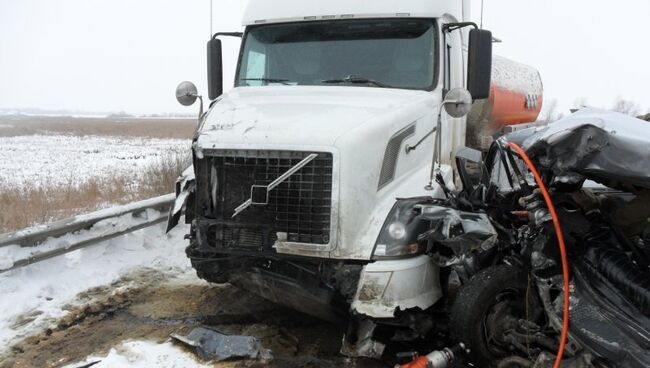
(472, 312)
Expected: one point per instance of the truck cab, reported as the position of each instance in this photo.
(334, 113)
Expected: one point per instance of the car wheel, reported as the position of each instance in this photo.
(489, 305)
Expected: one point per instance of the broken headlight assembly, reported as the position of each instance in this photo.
(399, 235)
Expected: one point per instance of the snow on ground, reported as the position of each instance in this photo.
(42, 290)
(61, 160)
(143, 354)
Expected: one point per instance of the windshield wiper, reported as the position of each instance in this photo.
(286, 82)
(353, 79)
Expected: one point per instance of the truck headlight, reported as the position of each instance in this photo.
(397, 230)
(398, 236)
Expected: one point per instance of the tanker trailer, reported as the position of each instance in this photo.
(516, 96)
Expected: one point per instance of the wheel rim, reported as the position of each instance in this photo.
(502, 316)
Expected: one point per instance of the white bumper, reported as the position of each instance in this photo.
(385, 286)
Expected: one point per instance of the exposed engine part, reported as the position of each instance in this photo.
(549, 289)
(531, 201)
(607, 324)
(633, 217)
(545, 360)
(617, 267)
(603, 323)
(562, 247)
(437, 359)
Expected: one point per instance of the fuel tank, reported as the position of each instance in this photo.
(516, 97)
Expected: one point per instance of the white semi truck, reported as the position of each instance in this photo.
(334, 114)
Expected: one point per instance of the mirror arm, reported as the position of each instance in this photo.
(437, 148)
(200, 106)
(410, 148)
(463, 101)
(228, 34)
(196, 95)
(201, 119)
(448, 27)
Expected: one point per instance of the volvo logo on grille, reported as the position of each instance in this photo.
(260, 193)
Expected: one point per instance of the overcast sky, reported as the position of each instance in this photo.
(113, 55)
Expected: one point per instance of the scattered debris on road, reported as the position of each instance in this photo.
(213, 345)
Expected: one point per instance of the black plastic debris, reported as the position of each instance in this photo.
(214, 346)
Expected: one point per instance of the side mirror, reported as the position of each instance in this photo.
(479, 63)
(215, 69)
(186, 93)
(458, 102)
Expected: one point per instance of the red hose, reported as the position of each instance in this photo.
(560, 239)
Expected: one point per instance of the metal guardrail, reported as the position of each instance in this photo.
(34, 236)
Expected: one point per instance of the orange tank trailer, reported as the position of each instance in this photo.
(516, 97)
(511, 108)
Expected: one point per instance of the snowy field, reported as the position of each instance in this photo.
(47, 160)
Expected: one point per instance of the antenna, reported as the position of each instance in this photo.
(210, 19)
(481, 14)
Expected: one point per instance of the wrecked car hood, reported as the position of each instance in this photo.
(605, 146)
(290, 115)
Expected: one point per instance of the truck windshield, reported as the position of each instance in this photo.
(394, 53)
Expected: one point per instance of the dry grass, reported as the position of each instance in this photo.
(11, 126)
(23, 207)
(27, 206)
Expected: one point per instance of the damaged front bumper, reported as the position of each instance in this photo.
(327, 289)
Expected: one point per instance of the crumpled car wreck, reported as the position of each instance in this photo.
(495, 266)
(504, 282)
